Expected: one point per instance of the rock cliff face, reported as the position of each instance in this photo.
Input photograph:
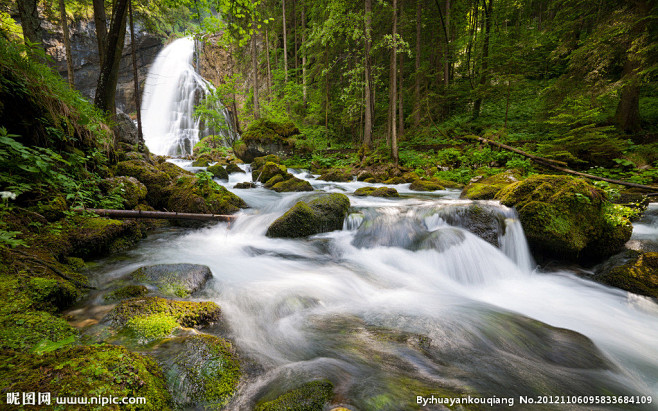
(86, 62)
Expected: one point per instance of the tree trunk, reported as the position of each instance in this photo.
(484, 76)
(400, 98)
(446, 57)
(269, 66)
(107, 81)
(417, 75)
(285, 43)
(30, 22)
(367, 126)
(304, 91)
(296, 45)
(133, 52)
(166, 215)
(100, 20)
(627, 116)
(67, 43)
(254, 67)
(394, 138)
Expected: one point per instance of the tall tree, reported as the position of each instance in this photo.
(67, 42)
(137, 96)
(304, 85)
(100, 21)
(30, 21)
(254, 68)
(484, 70)
(394, 137)
(285, 43)
(107, 80)
(367, 126)
(417, 67)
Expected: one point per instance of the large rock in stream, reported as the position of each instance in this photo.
(320, 215)
(264, 137)
(567, 218)
(173, 280)
(632, 271)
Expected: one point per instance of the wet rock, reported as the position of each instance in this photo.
(173, 280)
(202, 161)
(269, 170)
(292, 184)
(155, 180)
(311, 396)
(125, 292)
(130, 189)
(386, 192)
(322, 214)
(201, 371)
(233, 168)
(425, 185)
(485, 222)
(246, 184)
(186, 313)
(632, 271)
(194, 195)
(125, 129)
(486, 188)
(567, 218)
(96, 236)
(264, 137)
(218, 171)
(336, 175)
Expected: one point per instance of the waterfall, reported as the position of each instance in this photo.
(172, 89)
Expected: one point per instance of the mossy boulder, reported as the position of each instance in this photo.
(218, 171)
(51, 293)
(425, 185)
(233, 168)
(395, 180)
(202, 371)
(96, 236)
(259, 162)
(186, 313)
(311, 396)
(202, 161)
(172, 170)
(125, 292)
(269, 170)
(155, 180)
(292, 184)
(567, 218)
(336, 175)
(638, 274)
(263, 137)
(387, 192)
(130, 189)
(84, 371)
(320, 215)
(35, 331)
(54, 209)
(246, 184)
(173, 280)
(486, 188)
(199, 195)
(484, 221)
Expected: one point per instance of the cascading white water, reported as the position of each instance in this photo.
(173, 88)
(404, 300)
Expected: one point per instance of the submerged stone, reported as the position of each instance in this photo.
(312, 396)
(386, 192)
(320, 215)
(173, 280)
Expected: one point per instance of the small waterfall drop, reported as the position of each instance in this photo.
(173, 88)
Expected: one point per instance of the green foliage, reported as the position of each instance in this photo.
(150, 327)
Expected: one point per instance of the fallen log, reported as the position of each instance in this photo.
(163, 215)
(552, 164)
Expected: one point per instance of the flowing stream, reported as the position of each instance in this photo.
(172, 89)
(404, 301)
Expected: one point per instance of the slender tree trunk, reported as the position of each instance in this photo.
(285, 43)
(394, 138)
(100, 20)
(326, 90)
(296, 45)
(447, 56)
(367, 126)
(484, 76)
(304, 91)
(417, 75)
(254, 67)
(67, 43)
(107, 81)
(627, 115)
(400, 98)
(30, 22)
(133, 52)
(509, 92)
(269, 67)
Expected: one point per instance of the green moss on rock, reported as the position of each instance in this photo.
(96, 236)
(52, 294)
(218, 171)
(151, 327)
(639, 275)
(233, 168)
(323, 214)
(274, 180)
(30, 329)
(202, 161)
(204, 371)
(269, 170)
(425, 185)
(125, 292)
(186, 313)
(312, 396)
(129, 188)
(292, 184)
(336, 175)
(194, 195)
(246, 184)
(87, 371)
(387, 192)
(487, 188)
(153, 178)
(566, 217)
(173, 280)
